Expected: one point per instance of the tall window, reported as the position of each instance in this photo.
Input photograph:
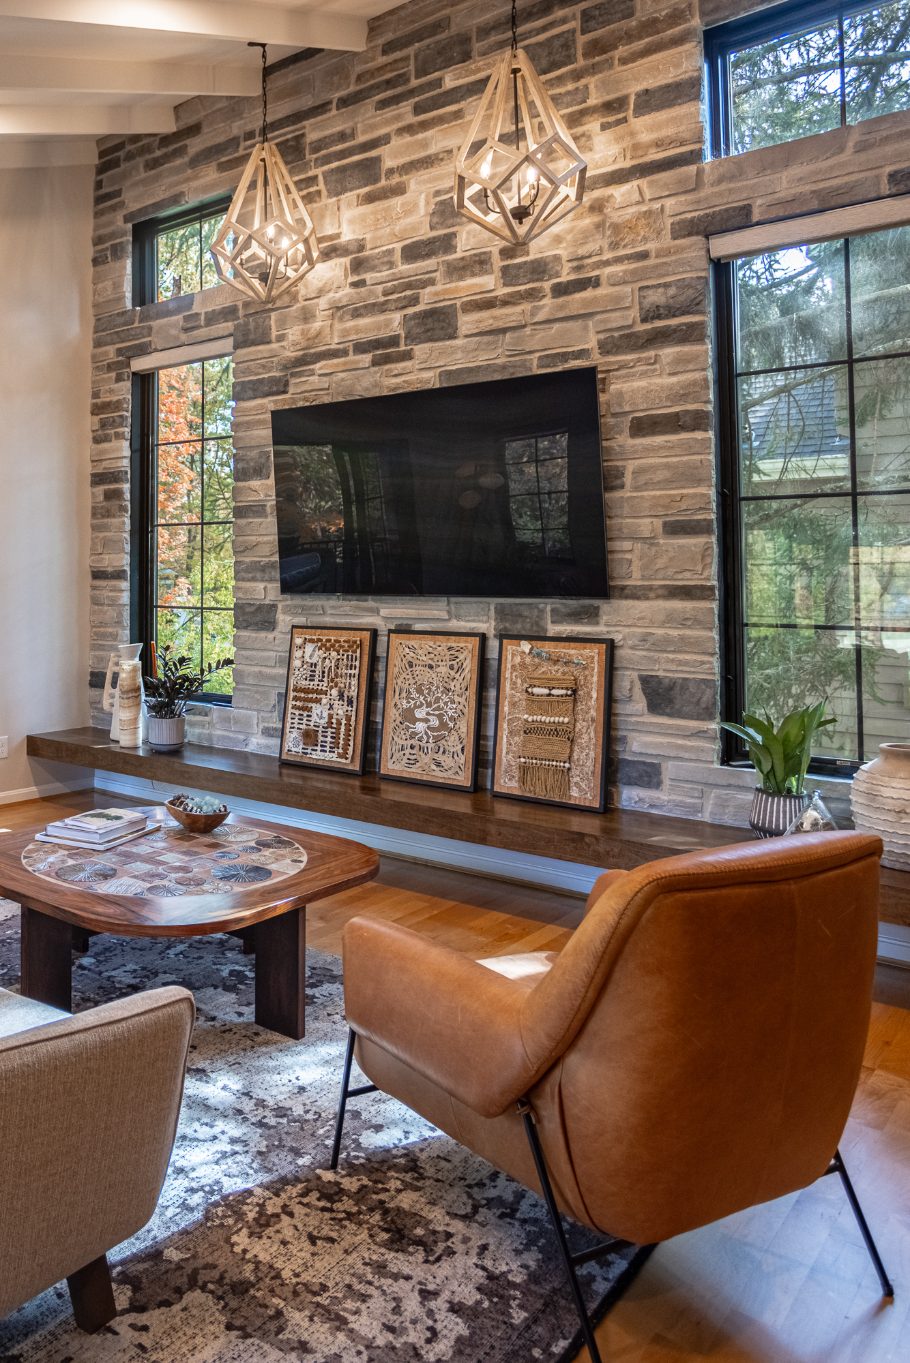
(815, 448)
(171, 253)
(187, 556)
(804, 68)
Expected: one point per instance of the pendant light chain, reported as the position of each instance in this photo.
(514, 27)
(265, 95)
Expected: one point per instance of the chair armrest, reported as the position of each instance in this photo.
(87, 1123)
(452, 1020)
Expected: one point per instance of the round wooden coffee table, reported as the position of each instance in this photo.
(250, 877)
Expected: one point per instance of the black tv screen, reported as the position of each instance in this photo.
(484, 489)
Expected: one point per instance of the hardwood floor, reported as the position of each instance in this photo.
(788, 1282)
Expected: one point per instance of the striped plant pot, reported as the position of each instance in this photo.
(166, 735)
(772, 815)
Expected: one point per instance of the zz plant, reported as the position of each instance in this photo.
(177, 683)
(781, 754)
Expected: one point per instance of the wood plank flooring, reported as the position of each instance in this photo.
(788, 1282)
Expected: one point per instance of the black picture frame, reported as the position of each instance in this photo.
(476, 699)
(603, 746)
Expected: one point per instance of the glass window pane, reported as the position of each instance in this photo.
(785, 88)
(219, 565)
(877, 61)
(183, 631)
(884, 561)
(886, 683)
(178, 261)
(791, 307)
(180, 482)
(787, 669)
(219, 480)
(794, 431)
(217, 643)
(798, 562)
(209, 273)
(180, 403)
(880, 289)
(219, 401)
(882, 403)
(179, 577)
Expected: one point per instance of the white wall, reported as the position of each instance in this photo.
(45, 337)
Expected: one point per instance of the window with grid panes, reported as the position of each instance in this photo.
(190, 588)
(814, 351)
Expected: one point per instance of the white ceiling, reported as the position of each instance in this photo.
(75, 70)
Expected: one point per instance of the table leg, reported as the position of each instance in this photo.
(46, 959)
(280, 945)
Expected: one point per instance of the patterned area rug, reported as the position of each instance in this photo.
(415, 1251)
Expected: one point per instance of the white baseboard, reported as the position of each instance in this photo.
(521, 868)
(894, 944)
(494, 862)
(14, 797)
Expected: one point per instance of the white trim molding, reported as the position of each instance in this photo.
(834, 222)
(212, 349)
(15, 797)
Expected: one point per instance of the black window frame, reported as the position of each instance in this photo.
(730, 498)
(781, 21)
(143, 601)
(147, 232)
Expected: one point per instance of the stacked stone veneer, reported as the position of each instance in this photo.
(410, 296)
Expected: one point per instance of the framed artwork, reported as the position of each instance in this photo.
(327, 702)
(553, 720)
(432, 708)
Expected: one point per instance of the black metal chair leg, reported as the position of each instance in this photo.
(587, 1326)
(346, 1093)
(840, 1167)
(343, 1098)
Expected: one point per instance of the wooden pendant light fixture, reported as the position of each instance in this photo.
(267, 242)
(518, 171)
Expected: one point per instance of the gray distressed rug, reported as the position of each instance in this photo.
(415, 1251)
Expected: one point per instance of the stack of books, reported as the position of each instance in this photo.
(98, 829)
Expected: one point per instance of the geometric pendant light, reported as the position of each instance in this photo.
(518, 171)
(267, 242)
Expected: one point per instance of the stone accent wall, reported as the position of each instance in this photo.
(409, 295)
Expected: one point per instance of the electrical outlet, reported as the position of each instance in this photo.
(4, 747)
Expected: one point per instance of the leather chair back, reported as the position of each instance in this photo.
(708, 1020)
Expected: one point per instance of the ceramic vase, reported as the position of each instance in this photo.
(772, 815)
(880, 800)
(126, 653)
(129, 704)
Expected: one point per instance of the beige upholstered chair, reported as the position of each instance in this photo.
(692, 1051)
(88, 1112)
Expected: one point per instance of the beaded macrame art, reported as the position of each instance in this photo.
(552, 720)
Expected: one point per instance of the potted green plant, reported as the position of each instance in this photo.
(780, 755)
(167, 694)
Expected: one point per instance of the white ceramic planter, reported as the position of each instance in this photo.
(880, 800)
(166, 735)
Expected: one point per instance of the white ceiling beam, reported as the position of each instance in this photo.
(28, 154)
(91, 75)
(66, 120)
(225, 19)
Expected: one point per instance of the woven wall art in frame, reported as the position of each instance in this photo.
(553, 720)
(327, 703)
(431, 708)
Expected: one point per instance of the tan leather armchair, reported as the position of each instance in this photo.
(88, 1113)
(692, 1051)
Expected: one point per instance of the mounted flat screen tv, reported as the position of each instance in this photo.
(485, 489)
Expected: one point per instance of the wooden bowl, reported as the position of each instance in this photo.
(196, 823)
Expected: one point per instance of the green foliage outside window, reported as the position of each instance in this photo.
(182, 260)
(193, 528)
(822, 354)
(820, 77)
